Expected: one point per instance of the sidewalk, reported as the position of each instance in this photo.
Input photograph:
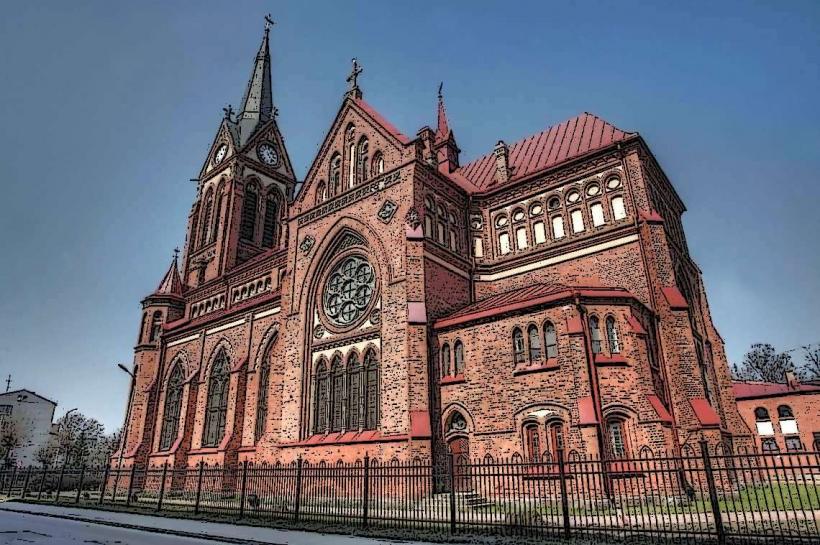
(195, 528)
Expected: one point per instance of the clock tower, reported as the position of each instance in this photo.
(245, 185)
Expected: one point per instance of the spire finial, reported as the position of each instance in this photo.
(442, 126)
(176, 255)
(228, 112)
(440, 88)
(353, 79)
(268, 23)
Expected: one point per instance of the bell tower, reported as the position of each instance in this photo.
(245, 186)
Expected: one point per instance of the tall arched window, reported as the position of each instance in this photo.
(429, 216)
(262, 399)
(216, 409)
(378, 164)
(372, 395)
(337, 393)
(458, 352)
(321, 389)
(335, 183)
(354, 390)
(557, 227)
(173, 405)
(533, 442)
(617, 438)
(156, 326)
(518, 346)
(550, 340)
(249, 206)
(217, 212)
(143, 326)
(595, 334)
(207, 217)
(362, 160)
(269, 227)
(445, 360)
(320, 192)
(535, 343)
(612, 335)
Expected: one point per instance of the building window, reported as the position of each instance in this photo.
(445, 360)
(558, 227)
(478, 247)
(349, 290)
(761, 414)
(156, 326)
(533, 446)
(378, 164)
(337, 393)
(351, 166)
(269, 227)
(362, 160)
(555, 430)
(320, 192)
(554, 203)
(504, 243)
(788, 425)
(618, 209)
(458, 350)
(597, 211)
(793, 444)
(335, 178)
(595, 334)
(521, 238)
(207, 217)
(173, 405)
(784, 411)
(763, 422)
(320, 409)
(539, 232)
(535, 343)
(429, 216)
(612, 335)
(217, 213)
(550, 340)
(769, 445)
(354, 390)
(617, 438)
(249, 205)
(372, 394)
(216, 409)
(518, 346)
(262, 399)
(577, 221)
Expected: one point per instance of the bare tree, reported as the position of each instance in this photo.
(811, 361)
(11, 437)
(763, 362)
(77, 436)
(47, 453)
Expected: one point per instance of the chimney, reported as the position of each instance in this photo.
(502, 167)
(792, 381)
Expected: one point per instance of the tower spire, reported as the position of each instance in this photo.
(171, 283)
(443, 127)
(257, 104)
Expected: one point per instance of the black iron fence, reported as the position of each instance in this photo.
(723, 497)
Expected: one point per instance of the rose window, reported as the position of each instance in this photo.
(349, 290)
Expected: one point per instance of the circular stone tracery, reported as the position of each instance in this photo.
(349, 290)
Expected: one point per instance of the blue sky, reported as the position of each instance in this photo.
(109, 108)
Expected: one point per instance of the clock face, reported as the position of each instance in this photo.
(220, 154)
(267, 154)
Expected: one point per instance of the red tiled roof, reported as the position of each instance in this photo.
(755, 389)
(389, 127)
(572, 138)
(704, 412)
(522, 298)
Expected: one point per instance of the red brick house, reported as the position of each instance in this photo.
(783, 417)
(401, 303)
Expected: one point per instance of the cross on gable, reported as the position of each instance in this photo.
(353, 78)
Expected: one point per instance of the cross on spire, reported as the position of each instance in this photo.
(176, 254)
(8, 383)
(268, 23)
(228, 112)
(353, 79)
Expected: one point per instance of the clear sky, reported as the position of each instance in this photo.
(109, 108)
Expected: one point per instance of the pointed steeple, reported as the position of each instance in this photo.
(171, 283)
(257, 104)
(445, 141)
(443, 127)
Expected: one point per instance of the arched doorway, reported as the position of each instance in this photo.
(459, 446)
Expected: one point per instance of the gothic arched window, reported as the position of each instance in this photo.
(535, 343)
(217, 213)
(612, 335)
(354, 392)
(445, 360)
(207, 217)
(320, 192)
(458, 352)
(269, 227)
(372, 394)
(337, 371)
(349, 290)
(518, 346)
(173, 404)
(335, 184)
(617, 437)
(216, 409)
(595, 334)
(262, 398)
(377, 166)
(761, 414)
(249, 206)
(784, 411)
(550, 340)
(362, 160)
(321, 389)
(156, 326)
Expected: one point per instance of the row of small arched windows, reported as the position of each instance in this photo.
(531, 350)
(440, 224)
(212, 208)
(361, 167)
(612, 338)
(346, 397)
(456, 364)
(783, 411)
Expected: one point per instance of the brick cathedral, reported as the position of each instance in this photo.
(538, 300)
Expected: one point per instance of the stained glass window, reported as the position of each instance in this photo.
(217, 405)
(262, 398)
(173, 404)
(249, 205)
(349, 290)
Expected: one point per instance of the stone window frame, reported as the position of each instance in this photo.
(172, 407)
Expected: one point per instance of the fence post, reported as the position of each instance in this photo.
(451, 466)
(11, 480)
(366, 491)
(25, 484)
(162, 486)
(80, 484)
(713, 496)
(104, 482)
(131, 483)
(244, 489)
(298, 498)
(199, 486)
(60, 481)
(562, 475)
(42, 482)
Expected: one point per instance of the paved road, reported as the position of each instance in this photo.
(19, 529)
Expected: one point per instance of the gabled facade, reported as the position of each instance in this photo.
(538, 299)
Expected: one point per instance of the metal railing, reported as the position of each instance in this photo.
(727, 497)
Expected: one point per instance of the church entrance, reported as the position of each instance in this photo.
(460, 451)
